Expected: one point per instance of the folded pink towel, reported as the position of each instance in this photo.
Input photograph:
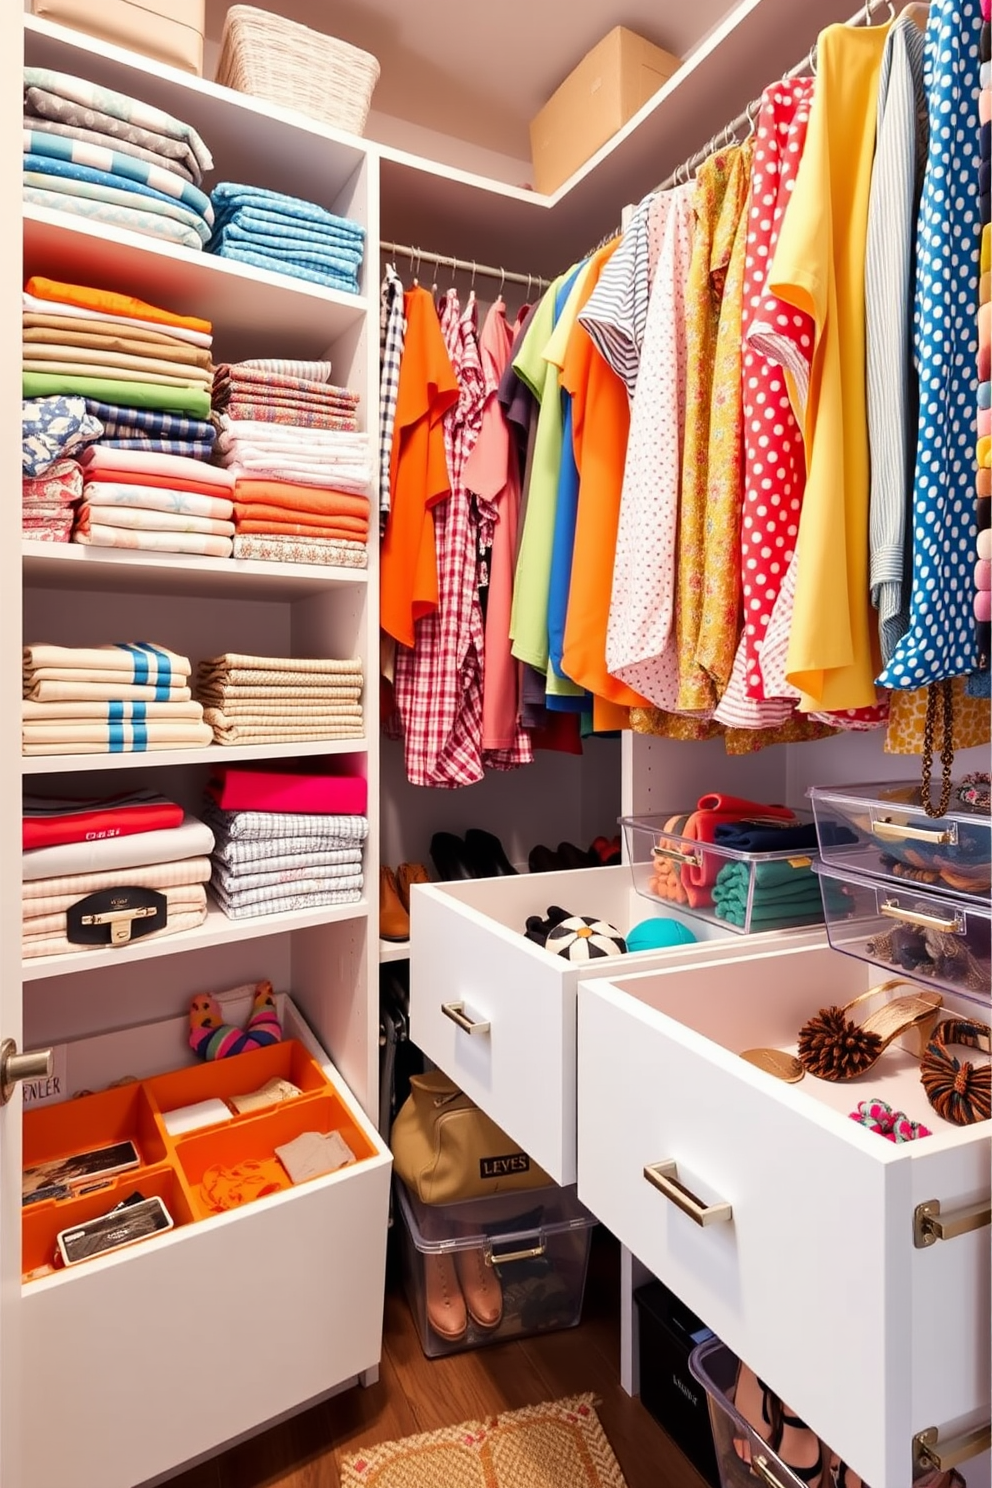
(100, 457)
(279, 790)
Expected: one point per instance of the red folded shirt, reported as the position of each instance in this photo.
(278, 790)
(52, 822)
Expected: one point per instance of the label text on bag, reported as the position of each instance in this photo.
(502, 1167)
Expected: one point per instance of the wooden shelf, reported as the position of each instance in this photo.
(60, 764)
(120, 571)
(393, 950)
(288, 316)
(216, 930)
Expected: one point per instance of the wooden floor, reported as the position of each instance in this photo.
(419, 1394)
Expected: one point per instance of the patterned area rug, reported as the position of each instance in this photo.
(560, 1444)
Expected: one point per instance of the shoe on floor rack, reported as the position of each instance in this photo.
(486, 854)
(394, 918)
(450, 857)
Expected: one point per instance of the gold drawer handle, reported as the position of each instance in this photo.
(456, 1012)
(665, 1177)
(891, 831)
(933, 1454)
(893, 911)
(759, 1466)
(694, 859)
(507, 1257)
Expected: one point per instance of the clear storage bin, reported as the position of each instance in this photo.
(883, 830)
(534, 1245)
(744, 892)
(941, 938)
(743, 1457)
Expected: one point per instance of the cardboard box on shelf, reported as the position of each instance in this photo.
(171, 31)
(610, 84)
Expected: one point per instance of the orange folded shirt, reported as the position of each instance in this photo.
(111, 303)
(293, 498)
(256, 511)
(301, 529)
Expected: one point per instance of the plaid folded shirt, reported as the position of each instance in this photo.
(193, 449)
(126, 423)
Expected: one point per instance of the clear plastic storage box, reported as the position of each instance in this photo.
(882, 830)
(533, 1245)
(743, 1457)
(744, 892)
(945, 939)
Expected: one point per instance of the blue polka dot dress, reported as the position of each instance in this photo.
(940, 641)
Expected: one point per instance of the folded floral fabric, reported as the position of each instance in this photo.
(192, 838)
(83, 154)
(113, 208)
(86, 736)
(131, 661)
(40, 104)
(192, 400)
(53, 429)
(283, 903)
(143, 519)
(95, 535)
(285, 548)
(51, 895)
(53, 944)
(287, 414)
(118, 106)
(113, 494)
(61, 483)
(56, 821)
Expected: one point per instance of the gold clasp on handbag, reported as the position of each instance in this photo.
(120, 921)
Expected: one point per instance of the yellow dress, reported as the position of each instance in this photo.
(819, 267)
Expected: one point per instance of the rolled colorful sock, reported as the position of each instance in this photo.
(211, 1038)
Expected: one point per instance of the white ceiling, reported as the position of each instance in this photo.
(480, 72)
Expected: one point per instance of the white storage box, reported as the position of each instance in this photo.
(533, 1245)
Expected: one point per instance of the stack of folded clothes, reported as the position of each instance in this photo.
(100, 155)
(302, 468)
(54, 431)
(75, 848)
(279, 845)
(115, 699)
(275, 699)
(115, 351)
(286, 235)
(783, 894)
(164, 503)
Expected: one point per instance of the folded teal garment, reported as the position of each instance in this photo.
(48, 165)
(347, 283)
(229, 194)
(786, 894)
(124, 196)
(768, 875)
(769, 918)
(294, 250)
(277, 222)
(115, 162)
(132, 219)
(194, 401)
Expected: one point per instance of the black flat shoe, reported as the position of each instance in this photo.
(485, 853)
(450, 859)
(541, 859)
(575, 857)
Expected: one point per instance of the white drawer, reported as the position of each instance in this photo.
(468, 948)
(814, 1279)
(280, 1301)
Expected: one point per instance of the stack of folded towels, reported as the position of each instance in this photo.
(75, 848)
(101, 155)
(280, 845)
(286, 235)
(116, 352)
(165, 503)
(783, 894)
(114, 699)
(277, 700)
(53, 432)
(302, 468)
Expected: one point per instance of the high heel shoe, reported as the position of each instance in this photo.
(541, 859)
(573, 857)
(450, 858)
(485, 854)
(833, 1047)
(797, 1445)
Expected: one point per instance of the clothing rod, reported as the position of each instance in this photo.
(748, 115)
(462, 265)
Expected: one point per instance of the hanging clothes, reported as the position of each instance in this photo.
(940, 641)
(819, 268)
(492, 474)
(419, 478)
(439, 679)
(392, 333)
(979, 681)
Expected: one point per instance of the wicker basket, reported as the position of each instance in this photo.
(291, 65)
